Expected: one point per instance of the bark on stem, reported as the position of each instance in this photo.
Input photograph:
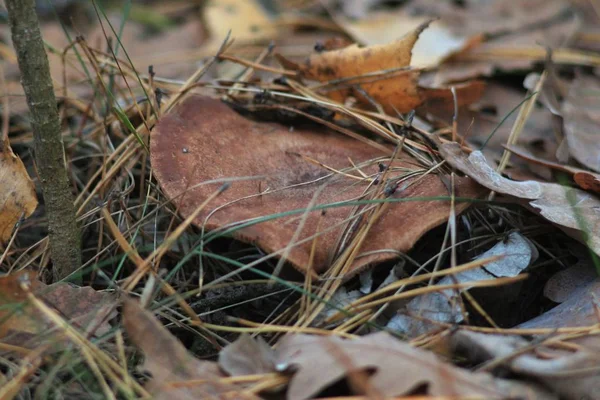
(65, 239)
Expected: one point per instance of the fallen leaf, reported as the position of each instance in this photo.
(476, 166)
(247, 356)
(518, 25)
(422, 312)
(565, 283)
(17, 191)
(203, 140)
(580, 309)
(399, 369)
(354, 64)
(584, 179)
(341, 299)
(441, 97)
(170, 363)
(582, 121)
(494, 17)
(574, 210)
(161, 50)
(383, 72)
(247, 21)
(495, 112)
(431, 48)
(587, 181)
(83, 307)
(569, 374)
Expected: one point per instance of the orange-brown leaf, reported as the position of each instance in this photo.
(203, 140)
(17, 191)
(382, 72)
(355, 61)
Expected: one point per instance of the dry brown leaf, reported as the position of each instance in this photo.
(565, 283)
(569, 374)
(399, 88)
(493, 17)
(491, 114)
(584, 179)
(561, 205)
(433, 45)
(580, 309)
(17, 191)
(82, 307)
(399, 368)
(165, 51)
(170, 363)
(247, 356)
(204, 140)
(354, 61)
(581, 113)
(383, 72)
(441, 97)
(520, 24)
(587, 181)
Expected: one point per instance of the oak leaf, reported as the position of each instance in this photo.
(398, 368)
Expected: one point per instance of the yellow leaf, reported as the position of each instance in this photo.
(246, 19)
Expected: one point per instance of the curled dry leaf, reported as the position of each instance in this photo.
(581, 113)
(203, 140)
(21, 323)
(494, 113)
(444, 306)
(17, 191)
(562, 285)
(433, 45)
(580, 309)
(383, 72)
(569, 374)
(584, 179)
(573, 210)
(399, 369)
(170, 363)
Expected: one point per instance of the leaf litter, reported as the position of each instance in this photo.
(576, 210)
(422, 313)
(296, 133)
(170, 363)
(19, 199)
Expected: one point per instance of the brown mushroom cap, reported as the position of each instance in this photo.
(204, 140)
